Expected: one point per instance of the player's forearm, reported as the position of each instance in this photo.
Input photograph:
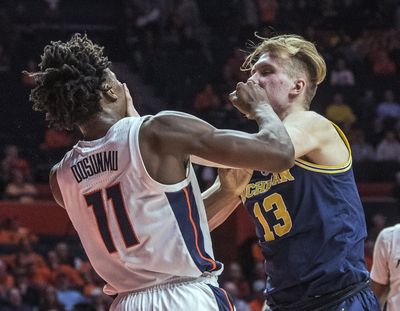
(200, 161)
(219, 205)
(273, 133)
(380, 290)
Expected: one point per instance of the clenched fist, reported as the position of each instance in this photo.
(247, 97)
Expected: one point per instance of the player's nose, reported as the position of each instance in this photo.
(253, 78)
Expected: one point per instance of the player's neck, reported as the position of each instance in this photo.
(97, 126)
(294, 108)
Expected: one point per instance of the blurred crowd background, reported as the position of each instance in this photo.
(185, 55)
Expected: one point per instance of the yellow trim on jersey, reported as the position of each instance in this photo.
(328, 169)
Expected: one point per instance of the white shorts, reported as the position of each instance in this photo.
(202, 294)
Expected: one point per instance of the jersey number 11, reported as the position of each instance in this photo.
(114, 194)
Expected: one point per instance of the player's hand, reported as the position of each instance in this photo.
(130, 109)
(233, 180)
(247, 96)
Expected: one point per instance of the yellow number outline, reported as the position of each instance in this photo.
(281, 213)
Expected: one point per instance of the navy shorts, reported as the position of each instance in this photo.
(365, 300)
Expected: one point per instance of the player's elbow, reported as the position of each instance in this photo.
(285, 159)
(282, 159)
(289, 153)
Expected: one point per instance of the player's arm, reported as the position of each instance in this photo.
(380, 272)
(380, 290)
(315, 137)
(179, 134)
(223, 197)
(55, 189)
(196, 160)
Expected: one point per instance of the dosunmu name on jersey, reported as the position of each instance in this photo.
(95, 164)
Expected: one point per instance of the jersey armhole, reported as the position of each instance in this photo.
(150, 181)
(57, 177)
(329, 169)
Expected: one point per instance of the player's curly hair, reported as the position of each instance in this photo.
(69, 83)
(303, 57)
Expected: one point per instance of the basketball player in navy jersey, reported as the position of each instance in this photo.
(309, 218)
(129, 187)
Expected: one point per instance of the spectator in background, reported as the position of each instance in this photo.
(234, 273)
(13, 162)
(6, 280)
(19, 189)
(365, 109)
(15, 302)
(55, 139)
(64, 254)
(25, 258)
(396, 190)
(385, 274)
(66, 294)
(341, 75)
(11, 232)
(340, 113)
(389, 148)
(4, 61)
(268, 11)
(232, 73)
(29, 291)
(258, 300)
(49, 300)
(233, 292)
(389, 107)
(188, 12)
(206, 100)
(57, 267)
(382, 65)
(378, 223)
(52, 12)
(93, 284)
(259, 273)
(361, 150)
(249, 14)
(101, 302)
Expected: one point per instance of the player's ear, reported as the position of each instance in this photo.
(298, 87)
(109, 93)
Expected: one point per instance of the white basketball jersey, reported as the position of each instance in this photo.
(136, 231)
(386, 264)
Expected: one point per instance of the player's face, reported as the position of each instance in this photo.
(270, 73)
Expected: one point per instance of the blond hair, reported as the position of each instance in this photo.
(302, 53)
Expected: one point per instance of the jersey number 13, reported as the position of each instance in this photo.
(281, 213)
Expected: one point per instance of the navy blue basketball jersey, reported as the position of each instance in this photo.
(311, 226)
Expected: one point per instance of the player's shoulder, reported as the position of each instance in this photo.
(168, 116)
(392, 230)
(309, 120)
(54, 186)
(53, 170)
(166, 121)
(306, 116)
(389, 232)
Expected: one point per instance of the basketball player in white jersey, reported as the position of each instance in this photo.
(385, 272)
(129, 187)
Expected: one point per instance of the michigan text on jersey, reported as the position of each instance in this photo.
(263, 186)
